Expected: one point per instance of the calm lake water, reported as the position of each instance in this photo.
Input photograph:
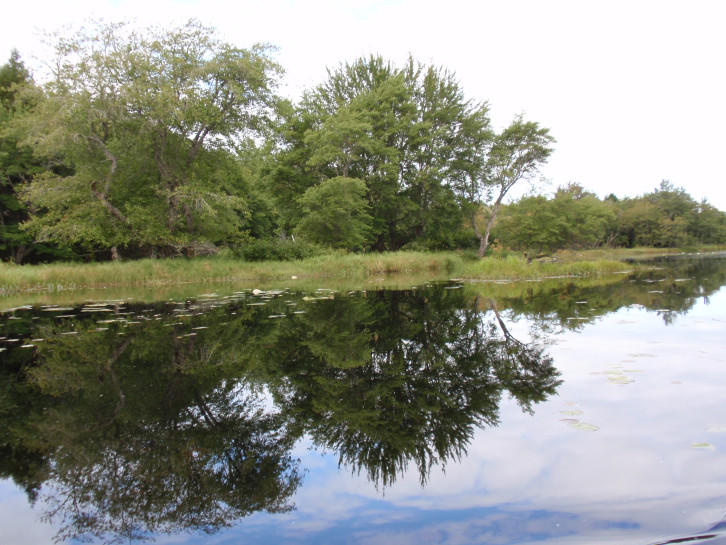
(563, 411)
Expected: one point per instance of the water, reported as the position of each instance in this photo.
(551, 412)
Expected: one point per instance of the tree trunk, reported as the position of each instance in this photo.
(20, 253)
(484, 239)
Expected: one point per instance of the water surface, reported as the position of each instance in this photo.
(541, 412)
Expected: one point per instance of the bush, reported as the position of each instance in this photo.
(273, 249)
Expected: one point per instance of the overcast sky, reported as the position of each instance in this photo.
(634, 91)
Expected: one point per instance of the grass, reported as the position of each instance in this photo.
(164, 272)
(633, 253)
(518, 267)
(355, 268)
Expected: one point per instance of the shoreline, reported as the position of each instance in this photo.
(355, 269)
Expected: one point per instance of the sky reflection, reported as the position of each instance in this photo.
(655, 468)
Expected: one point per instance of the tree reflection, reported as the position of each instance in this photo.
(161, 420)
(142, 439)
(433, 371)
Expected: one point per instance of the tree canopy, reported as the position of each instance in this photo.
(146, 122)
(408, 133)
(144, 142)
(575, 218)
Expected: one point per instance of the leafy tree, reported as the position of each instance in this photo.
(408, 133)
(532, 223)
(18, 164)
(708, 224)
(592, 222)
(574, 218)
(516, 154)
(144, 119)
(669, 217)
(335, 214)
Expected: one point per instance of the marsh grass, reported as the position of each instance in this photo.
(633, 253)
(161, 272)
(518, 267)
(356, 269)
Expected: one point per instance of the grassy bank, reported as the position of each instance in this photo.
(633, 253)
(353, 267)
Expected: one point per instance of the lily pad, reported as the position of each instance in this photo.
(708, 446)
(620, 379)
(582, 426)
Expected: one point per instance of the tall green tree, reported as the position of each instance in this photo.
(516, 154)
(144, 117)
(17, 163)
(708, 224)
(408, 133)
(669, 217)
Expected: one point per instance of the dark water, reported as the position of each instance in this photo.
(552, 412)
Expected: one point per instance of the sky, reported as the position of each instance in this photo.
(634, 91)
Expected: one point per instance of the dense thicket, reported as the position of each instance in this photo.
(174, 142)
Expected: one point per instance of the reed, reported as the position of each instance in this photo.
(152, 273)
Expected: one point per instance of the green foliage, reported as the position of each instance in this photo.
(164, 141)
(577, 219)
(407, 133)
(336, 214)
(18, 165)
(275, 249)
(708, 224)
(669, 217)
(148, 121)
(516, 154)
(574, 218)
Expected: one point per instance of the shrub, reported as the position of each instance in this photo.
(273, 249)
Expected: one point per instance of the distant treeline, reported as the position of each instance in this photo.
(166, 142)
(575, 218)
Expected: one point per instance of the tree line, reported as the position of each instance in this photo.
(575, 218)
(164, 142)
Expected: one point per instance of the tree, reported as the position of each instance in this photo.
(516, 154)
(532, 223)
(574, 218)
(408, 133)
(17, 162)
(669, 217)
(144, 118)
(335, 214)
(708, 224)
